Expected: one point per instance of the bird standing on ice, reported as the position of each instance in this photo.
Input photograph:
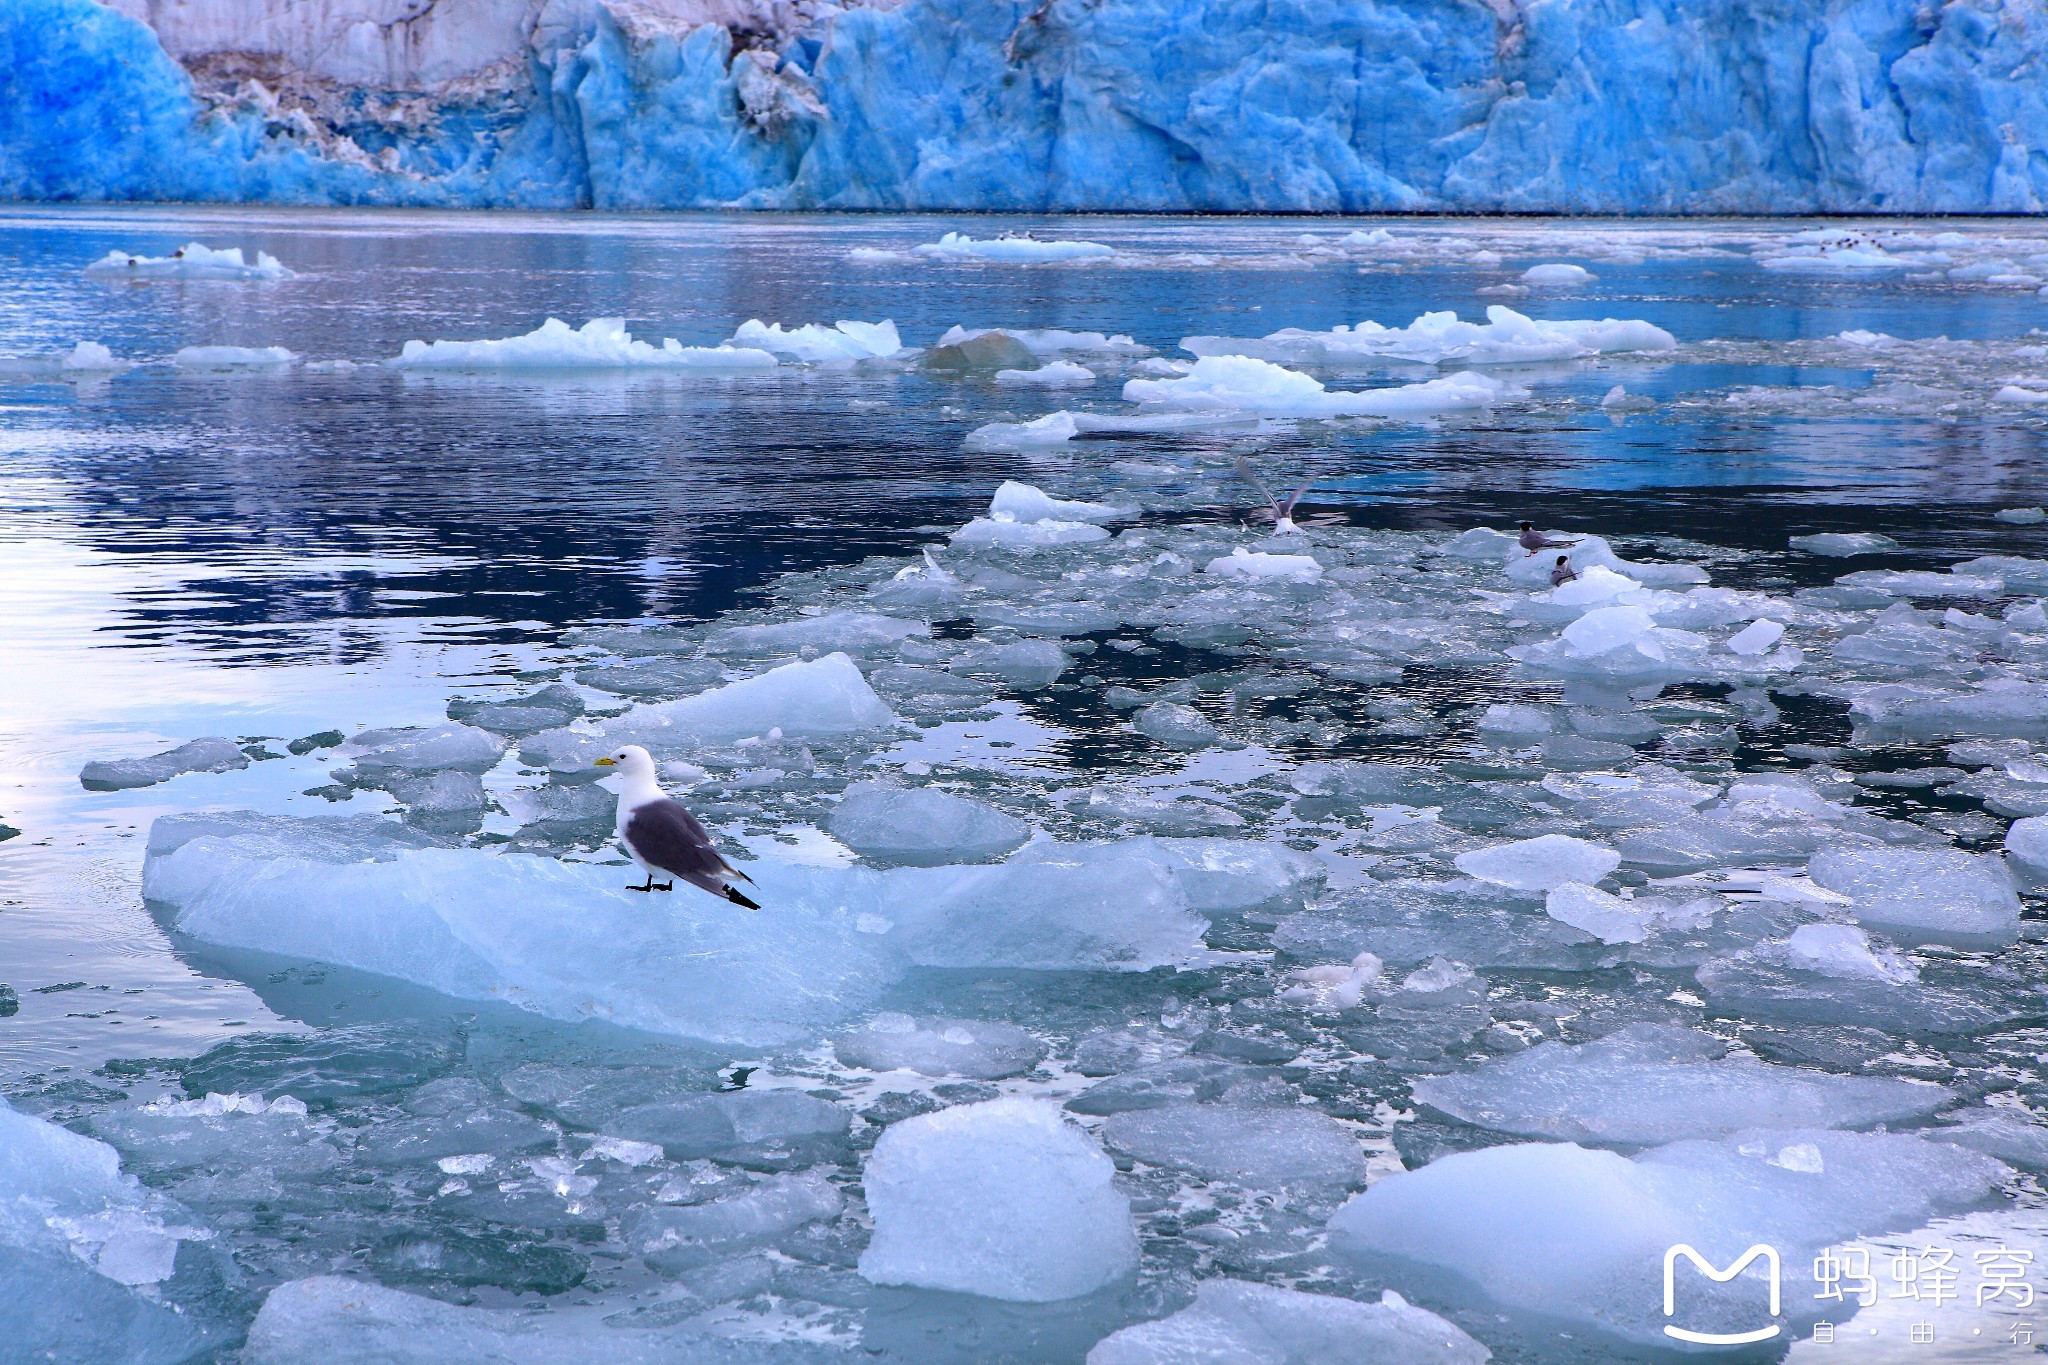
(1533, 540)
(661, 836)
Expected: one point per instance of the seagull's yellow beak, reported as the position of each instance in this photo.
(605, 763)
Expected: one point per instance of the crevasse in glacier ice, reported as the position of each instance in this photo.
(1642, 106)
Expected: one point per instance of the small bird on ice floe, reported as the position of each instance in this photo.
(1563, 573)
(1283, 512)
(661, 836)
(1533, 540)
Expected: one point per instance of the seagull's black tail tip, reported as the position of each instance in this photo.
(738, 897)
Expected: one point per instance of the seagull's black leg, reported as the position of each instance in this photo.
(665, 886)
(648, 887)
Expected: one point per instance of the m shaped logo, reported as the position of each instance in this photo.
(1741, 1263)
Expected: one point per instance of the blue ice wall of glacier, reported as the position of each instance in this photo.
(1631, 106)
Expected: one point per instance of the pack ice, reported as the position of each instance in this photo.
(1561, 1231)
(1004, 1199)
(1505, 338)
(600, 344)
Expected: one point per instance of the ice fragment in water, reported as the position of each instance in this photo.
(1233, 1322)
(821, 697)
(1555, 274)
(196, 756)
(1225, 384)
(1505, 338)
(1538, 864)
(1012, 250)
(675, 1239)
(1610, 918)
(1058, 374)
(233, 358)
(2026, 847)
(1169, 722)
(922, 826)
(1249, 1145)
(193, 261)
(1022, 502)
(1842, 545)
(941, 1047)
(600, 344)
(1756, 637)
(1004, 1199)
(1256, 566)
(843, 343)
(1941, 894)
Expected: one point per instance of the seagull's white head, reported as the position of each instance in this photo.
(634, 763)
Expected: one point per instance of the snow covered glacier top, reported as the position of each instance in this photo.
(1635, 106)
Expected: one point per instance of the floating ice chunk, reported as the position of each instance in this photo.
(1562, 1231)
(1007, 531)
(1057, 374)
(1051, 341)
(1481, 543)
(1612, 919)
(852, 632)
(1018, 250)
(192, 262)
(234, 358)
(843, 343)
(1606, 628)
(941, 1047)
(1365, 237)
(424, 748)
(2026, 847)
(600, 344)
(2016, 516)
(211, 755)
(1022, 502)
(1505, 338)
(1555, 273)
(1756, 637)
(1941, 894)
(1596, 586)
(1065, 909)
(1843, 544)
(1004, 1199)
(1233, 1322)
(1818, 253)
(1055, 428)
(821, 697)
(1242, 384)
(1923, 583)
(1589, 552)
(355, 1322)
(90, 357)
(1258, 566)
(922, 826)
(1652, 1083)
(1218, 876)
(1335, 987)
(1619, 399)
(1539, 864)
(2014, 393)
(1242, 1144)
(1169, 722)
(673, 1239)
(1841, 951)
(1509, 719)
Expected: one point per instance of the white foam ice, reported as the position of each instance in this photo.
(1233, 1321)
(1557, 1230)
(1541, 863)
(1557, 273)
(234, 358)
(193, 261)
(1057, 374)
(1013, 250)
(1236, 384)
(1004, 1199)
(843, 343)
(1505, 338)
(1053, 341)
(922, 826)
(600, 344)
(976, 1048)
(1940, 894)
(1655, 1083)
(1257, 566)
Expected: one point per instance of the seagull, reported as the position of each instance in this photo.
(663, 837)
(1283, 512)
(1563, 573)
(1533, 540)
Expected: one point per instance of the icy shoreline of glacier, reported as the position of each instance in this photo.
(1569, 106)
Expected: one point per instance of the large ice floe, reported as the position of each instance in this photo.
(1505, 338)
(600, 344)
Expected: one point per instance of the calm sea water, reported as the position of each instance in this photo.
(267, 555)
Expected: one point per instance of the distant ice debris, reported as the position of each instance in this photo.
(212, 755)
(1059, 374)
(600, 344)
(1556, 274)
(1020, 249)
(191, 262)
(1004, 1199)
(1235, 1322)
(1052, 341)
(843, 343)
(1245, 384)
(1259, 567)
(234, 358)
(2015, 516)
(2014, 393)
(1505, 338)
(1843, 544)
(1826, 251)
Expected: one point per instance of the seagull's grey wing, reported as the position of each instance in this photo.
(1287, 508)
(668, 837)
(1251, 476)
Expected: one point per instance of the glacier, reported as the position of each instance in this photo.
(1566, 106)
